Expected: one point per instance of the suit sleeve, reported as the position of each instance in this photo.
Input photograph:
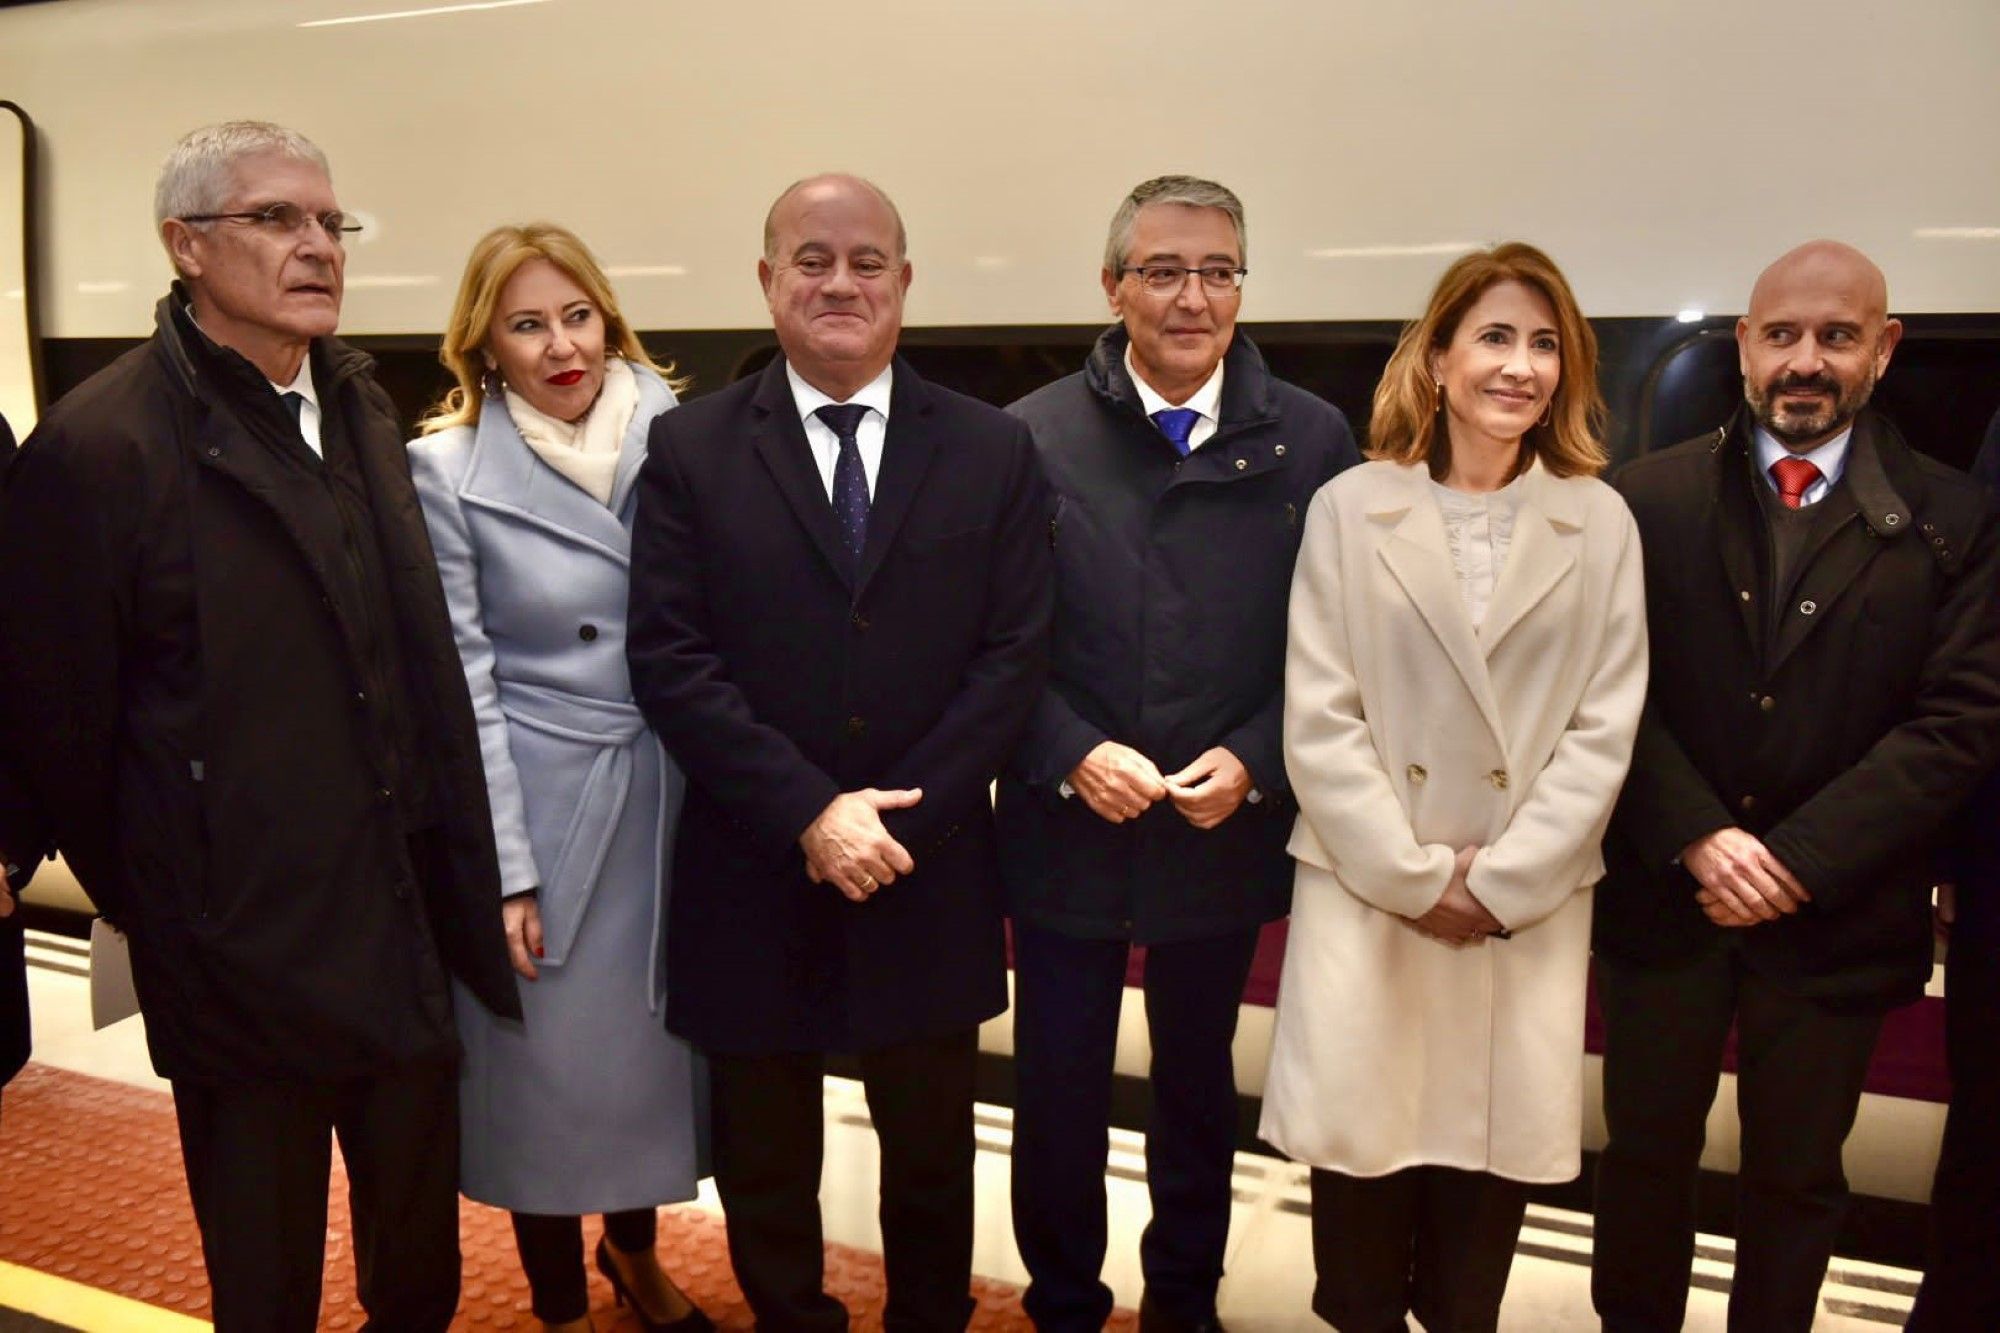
(957, 759)
(1552, 845)
(1917, 775)
(756, 772)
(1345, 797)
(1057, 737)
(458, 570)
(66, 542)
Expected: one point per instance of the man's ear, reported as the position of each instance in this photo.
(183, 247)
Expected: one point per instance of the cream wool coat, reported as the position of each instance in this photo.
(1407, 736)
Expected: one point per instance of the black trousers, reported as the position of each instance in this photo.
(551, 1247)
(769, 1142)
(1431, 1240)
(1961, 1291)
(257, 1159)
(1800, 1069)
(1067, 993)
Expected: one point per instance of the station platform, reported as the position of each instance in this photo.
(96, 1232)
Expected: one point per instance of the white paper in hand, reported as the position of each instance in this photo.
(112, 996)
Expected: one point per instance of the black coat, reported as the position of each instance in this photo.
(183, 654)
(1844, 737)
(1172, 579)
(14, 1033)
(777, 681)
(1976, 864)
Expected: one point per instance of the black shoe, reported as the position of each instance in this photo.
(694, 1321)
(1155, 1319)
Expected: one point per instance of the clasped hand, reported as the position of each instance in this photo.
(848, 847)
(1457, 918)
(1118, 783)
(1742, 883)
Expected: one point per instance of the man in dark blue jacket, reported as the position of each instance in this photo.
(1961, 1291)
(1147, 804)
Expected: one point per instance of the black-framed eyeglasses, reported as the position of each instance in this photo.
(1164, 278)
(287, 218)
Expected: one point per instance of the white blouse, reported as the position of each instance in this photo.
(1478, 528)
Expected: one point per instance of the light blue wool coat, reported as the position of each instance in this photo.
(589, 1105)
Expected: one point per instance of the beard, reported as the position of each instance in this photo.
(1796, 425)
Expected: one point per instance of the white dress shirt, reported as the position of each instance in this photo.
(302, 385)
(868, 436)
(1206, 400)
(1830, 458)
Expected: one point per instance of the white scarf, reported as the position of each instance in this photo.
(586, 451)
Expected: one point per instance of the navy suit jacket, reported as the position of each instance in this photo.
(778, 679)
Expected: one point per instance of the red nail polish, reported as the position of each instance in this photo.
(538, 951)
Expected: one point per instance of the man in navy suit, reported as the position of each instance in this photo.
(841, 593)
(1961, 1291)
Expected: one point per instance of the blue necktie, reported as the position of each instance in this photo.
(1177, 423)
(297, 402)
(850, 480)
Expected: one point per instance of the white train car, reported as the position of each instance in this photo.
(1661, 151)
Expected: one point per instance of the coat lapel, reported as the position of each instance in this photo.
(1417, 555)
(1733, 526)
(907, 451)
(1864, 514)
(1539, 555)
(780, 440)
(505, 477)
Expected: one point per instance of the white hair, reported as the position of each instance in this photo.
(199, 173)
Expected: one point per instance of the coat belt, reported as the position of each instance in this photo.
(611, 726)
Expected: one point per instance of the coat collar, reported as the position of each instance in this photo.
(505, 476)
(907, 450)
(1414, 547)
(1249, 395)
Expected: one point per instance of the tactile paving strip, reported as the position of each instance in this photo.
(92, 1190)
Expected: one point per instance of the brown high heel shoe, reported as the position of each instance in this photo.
(694, 1321)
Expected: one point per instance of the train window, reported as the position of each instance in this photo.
(1941, 389)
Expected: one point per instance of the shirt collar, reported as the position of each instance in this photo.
(302, 383)
(874, 394)
(1206, 400)
(1830, 458)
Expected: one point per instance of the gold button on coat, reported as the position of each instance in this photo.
(1416, 773)
(1498, 777)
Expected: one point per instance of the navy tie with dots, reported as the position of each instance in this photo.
(1177, 423)
(850, 480)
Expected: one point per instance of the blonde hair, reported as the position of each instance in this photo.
(495, 259)
(1408, 407)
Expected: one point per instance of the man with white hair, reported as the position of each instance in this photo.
(229, 658)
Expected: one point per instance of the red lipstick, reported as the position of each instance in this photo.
(567, 378)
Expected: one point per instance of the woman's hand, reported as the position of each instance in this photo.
(522, 916)
(1457, 917)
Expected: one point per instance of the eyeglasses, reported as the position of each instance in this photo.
(1164, 278)
(287, 219)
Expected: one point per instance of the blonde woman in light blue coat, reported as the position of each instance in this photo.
(525, 472)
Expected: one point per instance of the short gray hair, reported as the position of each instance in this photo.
(1191, 191)
(198, 173)
(771, 214)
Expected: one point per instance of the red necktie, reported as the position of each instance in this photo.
(1795, 477)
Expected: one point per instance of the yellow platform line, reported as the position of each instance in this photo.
(64, 1302)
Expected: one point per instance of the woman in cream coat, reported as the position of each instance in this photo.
(526, 475)
(1467, 662)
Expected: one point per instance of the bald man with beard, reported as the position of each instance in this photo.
(1825, 692)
